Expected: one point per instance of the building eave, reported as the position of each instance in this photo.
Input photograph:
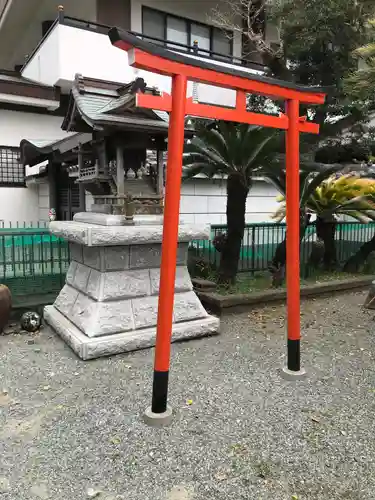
(14, 89)
(32, 152)
(4, 10)
(50, 105)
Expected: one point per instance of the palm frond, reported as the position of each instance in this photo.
(316, 181)
(229, 149)
(258, 149)
(359, 216)
(216, 141)
(278, 181)
(198, 147)
(193, 169)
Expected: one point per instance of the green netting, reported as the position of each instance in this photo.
(33, 264)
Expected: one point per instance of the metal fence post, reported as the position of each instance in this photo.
(253, 250)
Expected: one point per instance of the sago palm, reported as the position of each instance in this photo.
(328, 195)
(237, 152)
(360, 256)
(311, 175)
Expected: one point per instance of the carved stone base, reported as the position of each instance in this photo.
(90, 348)
(109, 303)
(370, 299)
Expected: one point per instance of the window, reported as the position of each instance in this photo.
(221, 42)
(12, 172)
(153, 24)
(177, 31)
(212, 42)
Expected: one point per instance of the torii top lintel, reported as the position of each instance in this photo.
(157, 59)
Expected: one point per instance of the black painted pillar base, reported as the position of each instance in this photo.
(293, 370)
(160, 392)
(159, 414)
(294, 355)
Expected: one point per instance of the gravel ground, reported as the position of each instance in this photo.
(72, 430)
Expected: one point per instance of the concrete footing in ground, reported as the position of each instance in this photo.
(109, 303)
(158, 419)
(292, 375)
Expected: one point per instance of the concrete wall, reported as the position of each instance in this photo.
(114, 13)
(203, 200)
(30, 33)
(23, 204)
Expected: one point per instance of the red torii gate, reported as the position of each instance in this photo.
(181, 68)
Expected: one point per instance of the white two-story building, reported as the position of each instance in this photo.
(43, 46)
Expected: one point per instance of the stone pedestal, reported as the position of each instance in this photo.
(109, 303)
(370, 299)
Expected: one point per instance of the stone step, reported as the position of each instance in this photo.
(139, 187)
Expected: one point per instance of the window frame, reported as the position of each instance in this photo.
(17, 151)
(230, 57)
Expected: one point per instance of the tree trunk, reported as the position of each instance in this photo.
(325, 230)
(278, 263)
(360, 257)
(236, 207)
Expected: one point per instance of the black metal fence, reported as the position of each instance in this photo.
(261, 240)
(33, 263)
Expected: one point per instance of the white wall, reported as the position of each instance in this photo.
(204, 200)
(16, 125)
(68, 51)
(43, 201)
(22, 204)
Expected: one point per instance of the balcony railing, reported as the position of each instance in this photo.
(175, 46)
(74, 46)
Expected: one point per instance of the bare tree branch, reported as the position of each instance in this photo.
(245, 17)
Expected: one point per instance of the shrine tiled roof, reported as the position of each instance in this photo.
(102, 104)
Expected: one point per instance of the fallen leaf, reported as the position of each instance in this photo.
(115, 440)
(221, 476)
(189, 402)
(294, 497)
